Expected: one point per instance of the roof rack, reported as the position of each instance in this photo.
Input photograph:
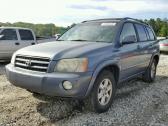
(133, 19)
(126, 18)
(129, 18)
(103, 19)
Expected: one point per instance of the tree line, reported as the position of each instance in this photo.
(39, 29)
(159, 25)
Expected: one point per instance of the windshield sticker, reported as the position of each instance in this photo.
(108, 24)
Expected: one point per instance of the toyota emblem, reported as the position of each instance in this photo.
(28, 63)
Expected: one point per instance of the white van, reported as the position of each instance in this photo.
(14, 38)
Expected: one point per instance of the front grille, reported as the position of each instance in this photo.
(32, 63)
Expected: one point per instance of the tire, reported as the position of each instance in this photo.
(150, 73)
(102, 96)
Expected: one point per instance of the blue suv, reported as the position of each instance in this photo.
(88, 62)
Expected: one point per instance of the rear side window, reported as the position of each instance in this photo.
(150, 32)
(141, 32)
(8, 34)
(26, 35)
(128, 30)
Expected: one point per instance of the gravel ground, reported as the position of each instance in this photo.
(136, 104)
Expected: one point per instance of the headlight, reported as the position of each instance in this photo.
(72, 65)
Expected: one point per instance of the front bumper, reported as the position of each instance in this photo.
(49, 83)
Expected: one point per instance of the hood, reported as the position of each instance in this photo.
(61, 49)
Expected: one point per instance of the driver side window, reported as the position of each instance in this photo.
(9, 34)
(128, 32)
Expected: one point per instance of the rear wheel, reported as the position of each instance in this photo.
(150, 73)
(103, 92)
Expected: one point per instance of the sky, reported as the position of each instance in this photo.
(66, 12)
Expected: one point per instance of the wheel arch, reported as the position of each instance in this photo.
(113, 67)
(156, 57)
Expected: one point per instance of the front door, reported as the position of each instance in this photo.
(128, 52)
(8, 43)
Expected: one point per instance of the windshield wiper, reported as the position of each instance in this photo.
(60, 40)
(100, 41)
(78, 40)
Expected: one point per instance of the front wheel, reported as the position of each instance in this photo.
(150, 73)
(103, 92)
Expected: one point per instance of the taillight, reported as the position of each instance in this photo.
(163, 44)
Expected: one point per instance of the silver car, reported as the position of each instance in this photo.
(163, 45)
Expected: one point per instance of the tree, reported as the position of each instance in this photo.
(160, 26)
(164, 30)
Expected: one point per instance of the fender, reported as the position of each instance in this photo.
(155, 54)
(97, 70)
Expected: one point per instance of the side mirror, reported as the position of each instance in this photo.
(129, 39)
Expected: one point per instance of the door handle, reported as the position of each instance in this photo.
(33, 43)
(139, 47)
(17, 43)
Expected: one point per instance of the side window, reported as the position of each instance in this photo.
(151, 35)
(141, 32)
(8, 34)
(26, 35)
(128, 32)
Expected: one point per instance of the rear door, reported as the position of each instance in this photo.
(26, 37)
(145, 45)
(128, 52)
(8, 43)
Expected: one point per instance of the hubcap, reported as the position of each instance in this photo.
(105, 91)
(153, 70)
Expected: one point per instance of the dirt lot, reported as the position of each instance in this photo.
(136, 104)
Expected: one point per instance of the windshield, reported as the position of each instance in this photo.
(92, 32)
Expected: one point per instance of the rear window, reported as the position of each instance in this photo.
(26, 35)
(150, 32)
(141, 32)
